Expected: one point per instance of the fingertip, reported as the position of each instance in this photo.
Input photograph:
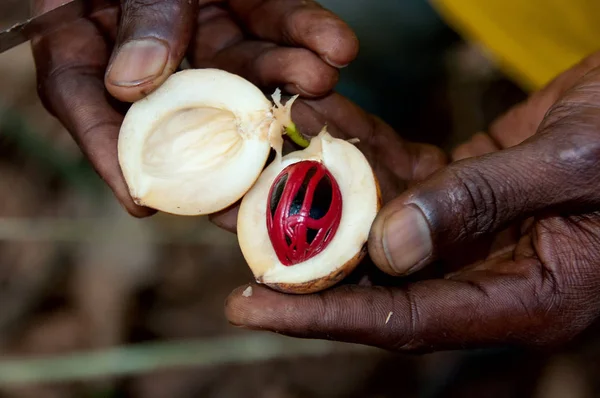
(480, 144)
(375, 246)
(301, 71)
(249, 306)
(429, 160)
(463, 151)
(234, 308)
(226, 219)
(400, 241)
(304, 24)
(340, 55)
(326, 34)
(139, 211)
(137, 68)
(127, 203)
(313, 79)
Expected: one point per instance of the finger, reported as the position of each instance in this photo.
(556, 169)
(219, 43)
(107, 21)
(480, 144)
(295, 70)
(523, 121)
(482, 308)
(70, 67)
(226, 219)
(215, 31)
(300, 23)
(409, 162)
(152, 41)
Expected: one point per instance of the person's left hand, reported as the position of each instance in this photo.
(528, 192)
(89, 70)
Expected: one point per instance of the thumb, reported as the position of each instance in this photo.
(478, 196)
(152, 41)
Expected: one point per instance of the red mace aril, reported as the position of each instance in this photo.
(303, 211)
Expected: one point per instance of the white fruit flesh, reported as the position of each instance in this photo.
(359, 208)
(198, 143)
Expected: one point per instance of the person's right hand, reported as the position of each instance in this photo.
(538, 285)
(132, 49)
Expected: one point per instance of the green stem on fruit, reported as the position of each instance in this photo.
(296, 136)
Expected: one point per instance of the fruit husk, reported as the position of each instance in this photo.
(321, 284)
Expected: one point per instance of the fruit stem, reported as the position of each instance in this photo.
(296, 136)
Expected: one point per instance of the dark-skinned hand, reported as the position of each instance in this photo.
(89, 70)
(527, 192)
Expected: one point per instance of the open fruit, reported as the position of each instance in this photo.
(200, 143)
(304, 225)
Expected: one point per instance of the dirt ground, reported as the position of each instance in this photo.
(165, 278)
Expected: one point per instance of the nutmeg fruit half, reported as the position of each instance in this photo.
(198, 143)
(304, 225)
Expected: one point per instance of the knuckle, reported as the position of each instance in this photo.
(408, 340)
(561, 297)
(573, 135)
(61, 82)
(140, 7)
(568, 264)
(136, 212)
(152, 14)
(474, 197)
(543, 308)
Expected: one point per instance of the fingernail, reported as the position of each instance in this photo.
(330, 62)
(296, 89)
(137, 62)
(406, 240)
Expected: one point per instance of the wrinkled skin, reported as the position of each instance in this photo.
(524, 198)
(88, 71)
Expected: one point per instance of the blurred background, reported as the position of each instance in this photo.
(94, 303)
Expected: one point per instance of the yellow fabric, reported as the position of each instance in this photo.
(532, 40)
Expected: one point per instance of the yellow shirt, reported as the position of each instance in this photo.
(531, 40)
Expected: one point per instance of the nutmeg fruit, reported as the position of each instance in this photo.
(200, 143)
